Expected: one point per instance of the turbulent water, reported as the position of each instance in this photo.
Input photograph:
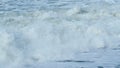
(37, 31)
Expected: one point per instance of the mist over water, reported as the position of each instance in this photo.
(36, 31)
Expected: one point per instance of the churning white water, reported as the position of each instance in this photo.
(35, 31)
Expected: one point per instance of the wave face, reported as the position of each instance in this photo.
(44, 30)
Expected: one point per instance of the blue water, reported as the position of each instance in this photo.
(32, 5)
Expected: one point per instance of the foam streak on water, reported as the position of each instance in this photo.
(36, 31)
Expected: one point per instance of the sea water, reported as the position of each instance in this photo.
(35, 31)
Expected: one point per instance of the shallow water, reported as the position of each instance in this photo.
(42, 31)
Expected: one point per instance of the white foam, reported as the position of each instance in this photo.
(45, 35)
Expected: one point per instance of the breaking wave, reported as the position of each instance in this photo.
(56, 34)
